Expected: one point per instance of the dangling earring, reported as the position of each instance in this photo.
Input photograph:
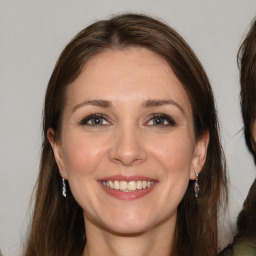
(196, 185)
(64, 190)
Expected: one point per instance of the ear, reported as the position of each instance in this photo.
(58, 152)
(200, 154)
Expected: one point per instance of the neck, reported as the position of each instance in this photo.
(156, 241)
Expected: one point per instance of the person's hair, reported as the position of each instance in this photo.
(58, 225)
(247, 64)
(246, 221)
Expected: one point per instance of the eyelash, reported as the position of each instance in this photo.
(163, 117)
(85, 121)
(154, 117)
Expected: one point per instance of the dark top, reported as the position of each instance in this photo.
(245, 240)
(240, 249)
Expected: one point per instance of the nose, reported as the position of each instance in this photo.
(128, 148)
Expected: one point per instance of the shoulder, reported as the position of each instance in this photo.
(228, 251)
(239, 249)
(244, 249)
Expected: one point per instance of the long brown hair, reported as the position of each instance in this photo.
(247, 64)
(58, 226)
(246, 221)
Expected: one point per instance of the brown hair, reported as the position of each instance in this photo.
(58, 226)
(247, 64)
(246, 222)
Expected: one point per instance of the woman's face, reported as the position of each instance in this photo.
(127, 147)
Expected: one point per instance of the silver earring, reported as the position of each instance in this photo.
(64, 190)
(196, 185)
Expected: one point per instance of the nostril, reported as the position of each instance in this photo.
(127, 149)
(128, 158)
(126, 161)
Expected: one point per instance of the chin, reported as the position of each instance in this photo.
(127, 230)
(128, 223)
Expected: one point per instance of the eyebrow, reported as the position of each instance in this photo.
(96, 103)
(147, 104)
(157, 103)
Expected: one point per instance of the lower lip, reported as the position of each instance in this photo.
(128, 195)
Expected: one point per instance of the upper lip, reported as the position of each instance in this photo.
(126, 178)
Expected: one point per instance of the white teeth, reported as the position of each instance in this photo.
(139, 184)
(128, 186)
(111, 185)
(123, 185)
(116, 185)
(132, 185)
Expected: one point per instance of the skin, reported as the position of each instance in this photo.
(128, 142)
(254, 130)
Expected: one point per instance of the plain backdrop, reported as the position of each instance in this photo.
(33, 33)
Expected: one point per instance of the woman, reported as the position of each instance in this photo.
(245, 239)
(129, 115)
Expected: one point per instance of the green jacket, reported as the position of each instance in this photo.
(240, 249)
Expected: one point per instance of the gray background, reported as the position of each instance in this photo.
(32, 35)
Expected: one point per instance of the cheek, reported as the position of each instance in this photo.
(174, 153)
(82, 154)
(173, 156)
(177, 165)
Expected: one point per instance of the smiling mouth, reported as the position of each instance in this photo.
(127, 186)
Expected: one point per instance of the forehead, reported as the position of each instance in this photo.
(126, 75)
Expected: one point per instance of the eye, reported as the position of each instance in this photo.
(161, 120)
(95, 120)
